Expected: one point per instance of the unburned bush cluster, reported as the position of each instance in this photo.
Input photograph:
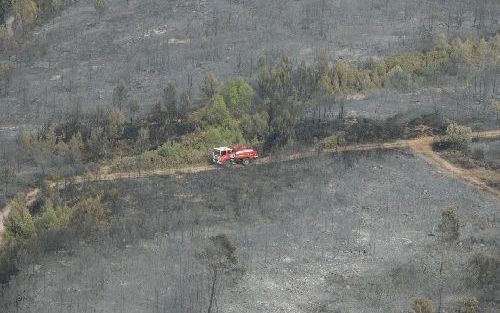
(48, 229)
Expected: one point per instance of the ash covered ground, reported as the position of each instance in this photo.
(356, 232)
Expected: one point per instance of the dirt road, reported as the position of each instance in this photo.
(422, 147)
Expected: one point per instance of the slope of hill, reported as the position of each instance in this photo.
(75, 59)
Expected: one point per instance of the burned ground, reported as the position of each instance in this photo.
(345, 233)
(349, 233)
(73, 61)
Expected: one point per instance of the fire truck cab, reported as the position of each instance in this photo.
(234, 154)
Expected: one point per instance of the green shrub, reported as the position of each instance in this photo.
(345, 77)
(26, 13)
(209, 86)
(398, 78)
(174, 152)
(458, 136)
(378, 73)
(238, 96)
(423, 305)
(90, 216)
(214, 114)
(331, 142)
(115, 123)
(24, 232)
(193, 149)
(450, 224)
(468, 305)
(52, 218)
(254, 127)
(19, 226)
(220, 137)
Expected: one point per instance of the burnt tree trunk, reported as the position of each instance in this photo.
(212, 292)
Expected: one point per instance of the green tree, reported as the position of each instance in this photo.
(450, 223)
(322, 67)
(115, 124)
(238, 96)
(25, 13)
(398, 78)
(304, 79)
(209, 86)
(458, 136)
(325, 85)
(19, 224)
(378, 73)
(74, 150)
(142, 142)
(90, 216)
(346, 77)
(254, 126)
(214, 114)
(97, 142)
(52, 218)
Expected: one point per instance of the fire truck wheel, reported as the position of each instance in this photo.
(228, 164)
(245, 161)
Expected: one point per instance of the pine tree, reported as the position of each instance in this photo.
(209, 86)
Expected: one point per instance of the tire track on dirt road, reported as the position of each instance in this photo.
(422, 147)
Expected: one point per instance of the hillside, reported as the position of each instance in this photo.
(75, 59)
(303, 236)
(376, 123)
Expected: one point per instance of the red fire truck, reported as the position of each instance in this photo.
(235, 154)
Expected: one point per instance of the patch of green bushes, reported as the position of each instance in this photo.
(450, 223)
(234, 113)
(224, 120)
(52, 218)
(19, 225)
(458, 136)
(193, 149)
(333, 142)
(26, 232)
(402, 71)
